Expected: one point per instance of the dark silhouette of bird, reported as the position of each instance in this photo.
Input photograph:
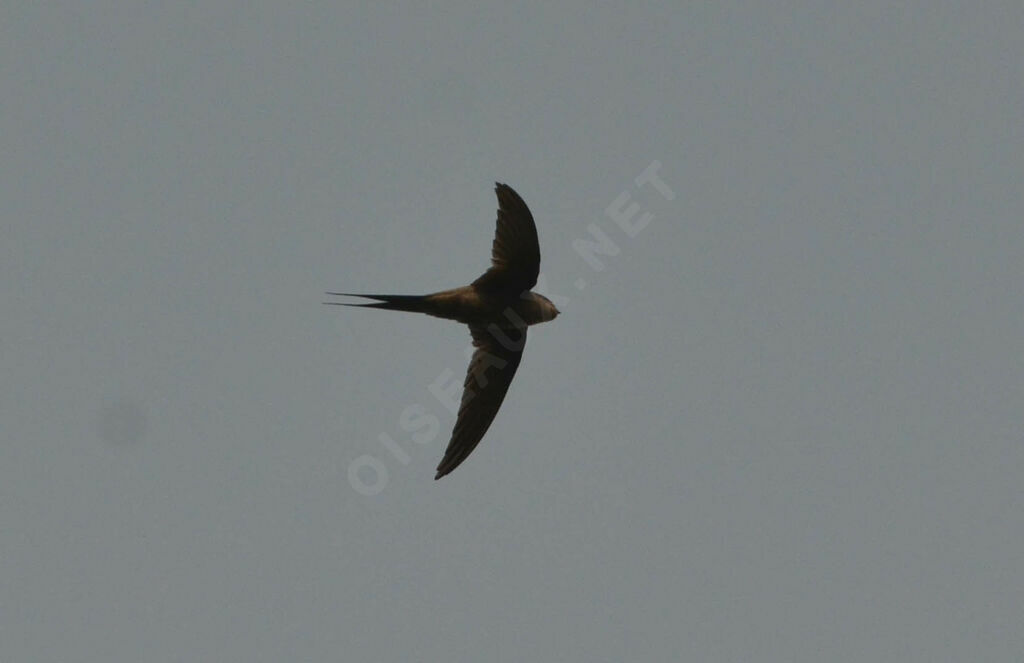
(498, 307)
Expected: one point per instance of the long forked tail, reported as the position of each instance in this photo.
(412, 303)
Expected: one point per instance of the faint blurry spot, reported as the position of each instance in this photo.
(122, 423)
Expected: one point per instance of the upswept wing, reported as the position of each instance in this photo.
(494, 363)
(515, 252)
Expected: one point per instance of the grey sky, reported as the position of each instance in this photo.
(783, 423)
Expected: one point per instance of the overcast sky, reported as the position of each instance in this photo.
(779, 419)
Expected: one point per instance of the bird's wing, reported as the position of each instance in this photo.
(494, 363)
(515, 253)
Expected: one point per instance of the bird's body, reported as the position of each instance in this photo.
(469, 305)
(498, 307)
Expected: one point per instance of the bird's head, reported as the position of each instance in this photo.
(548, 311)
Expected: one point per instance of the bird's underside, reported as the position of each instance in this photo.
(497, 307)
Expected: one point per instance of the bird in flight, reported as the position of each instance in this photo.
(498, 307)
